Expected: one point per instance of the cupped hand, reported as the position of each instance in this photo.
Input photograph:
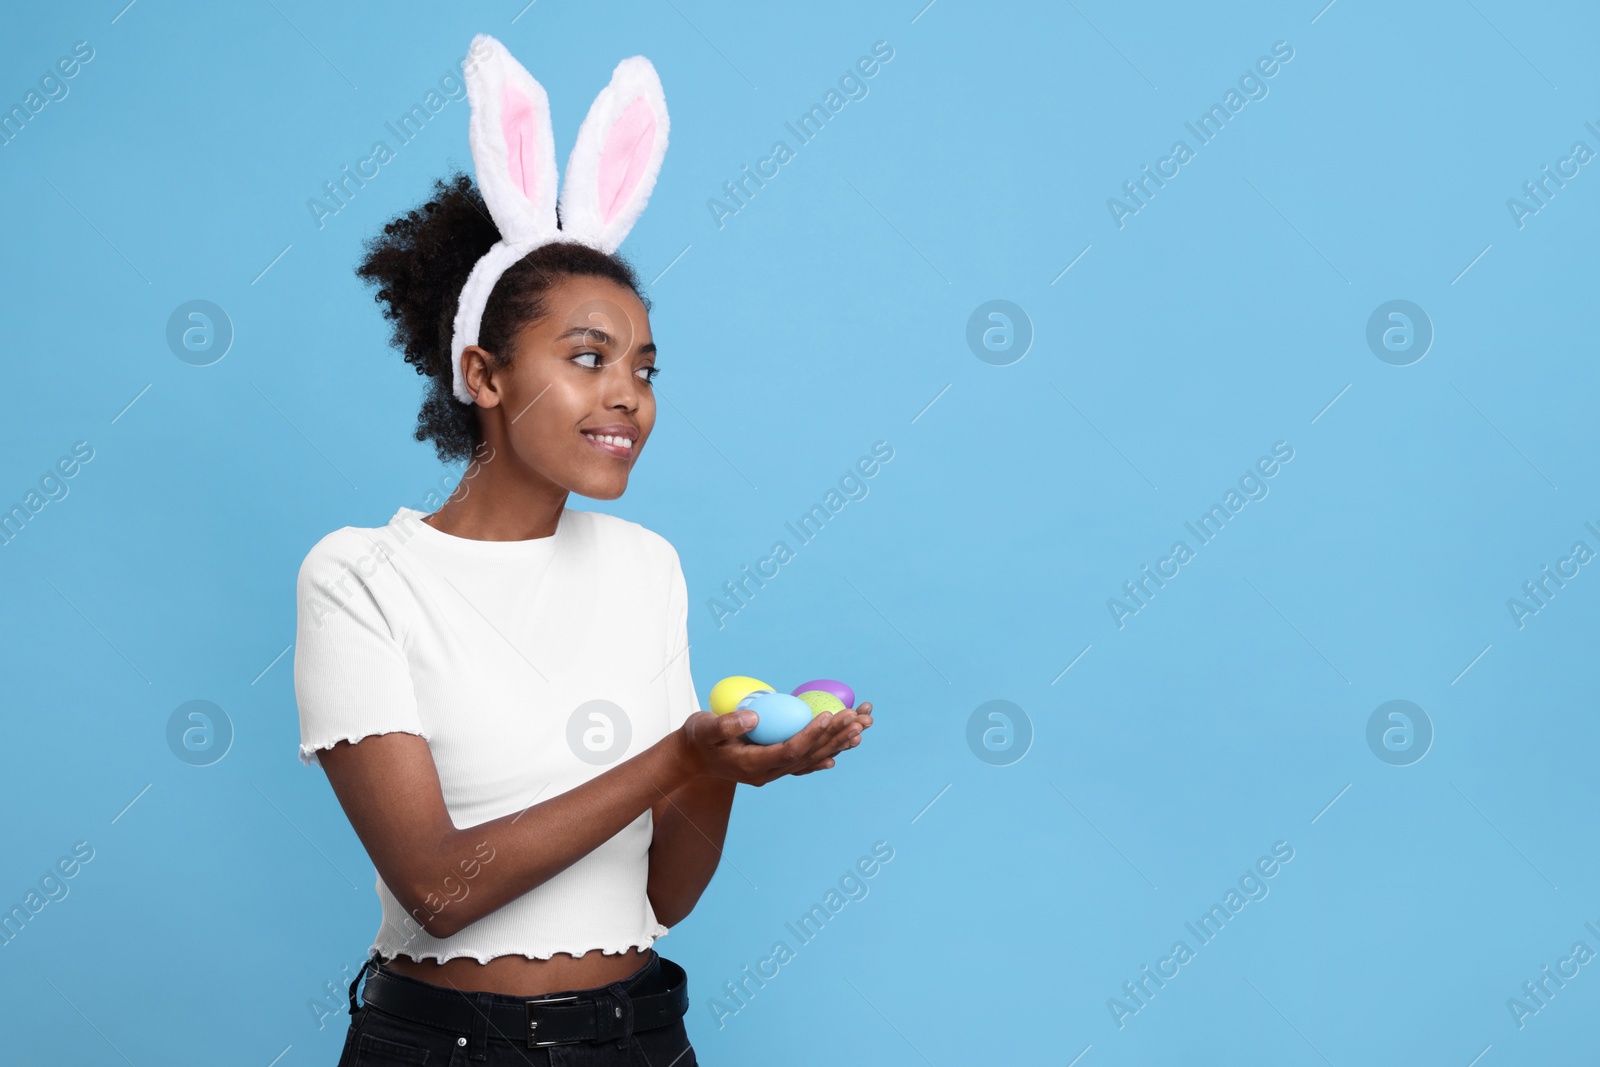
(715, 746)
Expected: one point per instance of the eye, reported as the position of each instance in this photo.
(590, 366)
(653, 373)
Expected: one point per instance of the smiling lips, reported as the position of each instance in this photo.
(612, 440)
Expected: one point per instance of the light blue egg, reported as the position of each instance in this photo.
(782, 716)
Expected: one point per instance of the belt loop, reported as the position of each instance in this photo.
(623, 1010)
(483, 1002)
(372, 962)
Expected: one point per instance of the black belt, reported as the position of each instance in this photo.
(600, 1015)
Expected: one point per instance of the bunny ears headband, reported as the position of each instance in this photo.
(610, 173)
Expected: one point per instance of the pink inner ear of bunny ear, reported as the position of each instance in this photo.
(625, 156)
(519, 125)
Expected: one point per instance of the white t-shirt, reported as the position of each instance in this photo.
(530, 667)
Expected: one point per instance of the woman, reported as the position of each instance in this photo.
(499, 691)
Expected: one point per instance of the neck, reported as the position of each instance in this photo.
(493, 502)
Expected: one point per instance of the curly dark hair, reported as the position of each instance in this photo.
(420, 263)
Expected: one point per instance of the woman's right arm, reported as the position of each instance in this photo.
(389, 788)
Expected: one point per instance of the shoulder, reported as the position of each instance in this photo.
(347, 549)
(626, 534)
(348, 575)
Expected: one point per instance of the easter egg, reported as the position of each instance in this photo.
(820, 700)
(845, 694)
(726, 694)
(781, 717)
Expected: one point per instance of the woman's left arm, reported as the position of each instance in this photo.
(691, 823)
(692, 820)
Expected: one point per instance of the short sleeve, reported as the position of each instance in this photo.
(351, 677)
(681, 699)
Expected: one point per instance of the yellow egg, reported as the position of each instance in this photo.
(726, 694)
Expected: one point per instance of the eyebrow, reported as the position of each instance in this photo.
(602, 338)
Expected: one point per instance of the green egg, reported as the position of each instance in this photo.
(821, 702)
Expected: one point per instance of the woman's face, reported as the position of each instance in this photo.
(576, 405)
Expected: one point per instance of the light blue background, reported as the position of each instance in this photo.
(829, 314)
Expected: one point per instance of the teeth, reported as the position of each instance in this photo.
(625, 442)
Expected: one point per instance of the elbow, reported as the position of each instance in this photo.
(439, 923)
(440, 928)
(438, 919)
(670, 912)
(439, 905)
(425, 913)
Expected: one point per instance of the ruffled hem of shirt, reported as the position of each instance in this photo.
(308, 753)
(645, 941)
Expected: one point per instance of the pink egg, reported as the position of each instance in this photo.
(828, 685)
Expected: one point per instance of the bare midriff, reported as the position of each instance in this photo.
(523, 976)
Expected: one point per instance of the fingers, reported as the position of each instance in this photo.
(824, 765)
(761, 763)
(841, 736)
(825, 761)
(826, 757)
(814, 747)
(833, 737)
(709, 728)
(809, 739)
(846, 731)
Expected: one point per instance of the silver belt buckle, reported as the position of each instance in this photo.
(533, 1024)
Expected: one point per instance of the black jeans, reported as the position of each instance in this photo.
(378, 1039)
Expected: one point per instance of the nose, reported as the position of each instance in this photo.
(620, 387)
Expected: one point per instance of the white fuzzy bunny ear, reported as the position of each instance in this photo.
(618, 154)
(513, 150)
